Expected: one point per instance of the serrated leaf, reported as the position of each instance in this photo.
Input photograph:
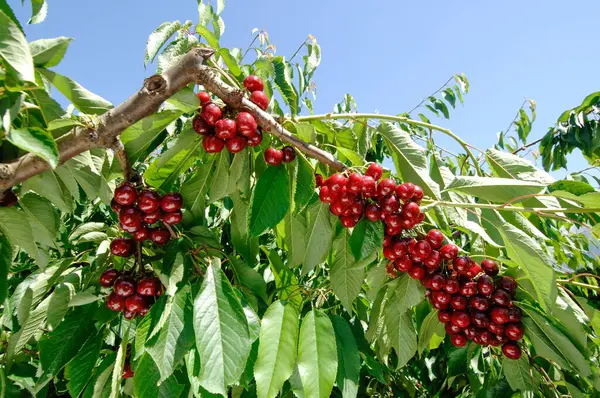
(100, 377)
(220, 177)
(146, 381)
(295, 238)
(230, 62)
(59, 304)
(284, 83)
(249, 278)
(30, 325)
(139, 137)
(159, 37)
(80, 369)
(499, 190)
(507, 165)
(174, 51)
(401, 335)
(210, 37)
(15, 226)
(319, 233)
(37, 141)
(277, 349)
(431, 333)
(47, 53)
(14, 49)
(44, 220)
(6, 256)
(270, 200)
(518, 374)
(317, 354)
(367, 236)
(241, 240)
(221, 328)
(39, 10)
(347, 274)
(303, 185)
(348, 372)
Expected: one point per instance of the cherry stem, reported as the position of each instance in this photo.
(138, 248)
(579, 284)
(171, 230)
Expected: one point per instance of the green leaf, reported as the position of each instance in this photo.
(47, 53)
(401, 334)
(499, 190)
(210, 37)
(59, 304)
(352, 156)
(82, 99)
(270, 200)
(347, 274)
(15, 226)
(30, 325)
(39, 10)
(575, 187)
(176, 336)
(295, 238)
(230, 62)
(348, 372)
(319, 233)
(6, 256)
(221, 328)
(518, 374)
(249, 278)
(220, 177)
(431, 333)
(10, 106)
(317, 354)
(37, 141)
(405, 293)
(139, 137)
(159, 37)
(410, 159)
(196, 186)
(246, 245)
(303, 184)
(49, 186)
(507, 165)
(366, 238)
(80, 369)
(4, 7)
(174, 51)
(284, 83)
(146, 381)
(43, 219)
(117, 373)
(277, 349)
(14, 50)
(185, 100)
(102, 372)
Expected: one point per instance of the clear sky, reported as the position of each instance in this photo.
(387, 54)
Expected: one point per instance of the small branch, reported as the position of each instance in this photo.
(528, 145)
(516, 116)
(510, 208)
(434, 93)
(119, 150)
(579, 284)
(171, 230)
(520, 198)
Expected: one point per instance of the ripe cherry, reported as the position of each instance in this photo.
(441, 297)
(508, 283)
(128, 314)
(435, 238)
(141, 234)
(148, 286)
(514, 315)
(490, 267)
(495, 328)
(374, 171)
(439, 306)
(513, 331)
(473, 270)
(355, 183)
(132, 229)
(254, 139)
(134, 303)
(452, 286)
(121, 247)
(115, 302)
(200, 126)
(171, 202)
(211, 113)
(470, 332)
(125, 194)
(385, 187)
(253, 83)
(458, 302)
(260, 99)
(326, 195)
(108, 277)
(499, 315)
(433, 261)
(461, 319)
(372, 212)
(369, 187)
(273, 156)
(348, 221)
(212, 144)
(389, 253)
(236, 144)
(460, 264)
(451, 328)
(337, 208)
(387, 240)
(501, 298)
(392, 231)
(480, 319)
(458, 340)
(437, 282)
(246, 124)
(127, 372)
(356, 208)
(502, 338)
(172, 218)
(144, 311)
(410, 210)
(115, 206)
(225, 128)
(485, 285)
(204, 97)
(151, 218)
(420, 251)
(479, 303)
(9, 199)
(417, 193)
(417, 272)
(159, 236)
(336, 182)
(405, 191)
(403, 264)
(288, 154)
(149, 201)
(444, 316)
(318, 180)
(449, 251)
(124, 286)
(130, 217)
(485, 337)
(389, 204)
(511, 350)
(468, 289)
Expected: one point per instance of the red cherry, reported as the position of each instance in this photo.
(501, 338)
(479, 303)
(473, 271)
(236, 144)
(485, 285)
(254, 139)
(115, 302)
(389, 253)
(336, 182)
(148, 286)
(124, 286)
(132, 229)
(458, 302)
(485, 337)
(108, 277)
(115, 206)
(508, 283)
(393, 220)
(326, 195)
(130, 217)
(212, 144)
(151, 218)
(125, 194)
(211, 113)
(444, 316)
(127, 372)
(288, 154)
(356, 208)
(160, 236)
(490, 267)
(441, 297)
(9, 199)
(439, 306)
(385, 187)
(121, 247)
(225, 128)
(273, 156)
(337, 208)
(260, 99)
(405, 191)
(374, 171)
(389, 204)
(480, 319)
(495, 328)
(433, 261)
(417, 193)
(204, 97)
(372, 212)
(355, 183)
(435, 238)
(141, 234)
(420, 251)
(348, 221)
(449, 251)
(468, 289)
(392, 231)
(417, 272)
(461, 319)
(501, 298)
(253, 83)
(200, 126)
(460, 264)
(511, 350)
(514, 315)
(400, 249)
(451, 328)
(403, 264)
(369, 187)
(149, 201)
(172, 218)
(389, 269)
(387, 240)
(144, 311)
(171, 202)
(128, 315)
(134, 303)
(246, 124)
(452, 286)
(499, 315)
(318, 180)
(410, 210)
(458, 340)
(470, 332)
(437, 282)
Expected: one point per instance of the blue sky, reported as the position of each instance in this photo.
(387, 54)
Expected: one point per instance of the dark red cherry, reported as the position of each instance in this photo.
(225, 129)
(437, 282)
(508, 283)
(405, 191)
(8, 198)
(435, 238)
(254, 139)
(452, 286)
(470, 332)
(355, 183)
(485, 337)
(403, 264)
(420, 251)
(160, 236)
(372, 212)
(501, 298)
(336, 182)
(410, 210)
(485, 285)
(348, 221)
(253, 83)
(449, 251)
(499, 315)
(212, 144)
(148, 286)
(418, 194)
(115, 206)
(495, 328)
(273, 156)
(149, 201)
(125, 194)
(479, 303)
(369, 187)
(511, 350)
(417, 272)
(480, 319)
(108, 277)
(490, 267)
(211, 113)
(514, 331)
(128, 314)
(141, 234)
(171, 202)
(132, 229)
(128, 373)
(389, 204)
(458, 302)
(318, 180)
(451, 328)
(374, 171)
(121, 247)
(200, 126)
(115, 302)
(151, 218)
(124, 286)
(130, 217)
(289, 154)
(236, 144)
(134, 303)
(260, 99)
(400, 249)
(385, 187)
(433, 261)
(172, 218)
(461, 319)
(444, 316)
(514, 315)
(461, 264)
(441, 297)
(468, 289)
(458, 340)
(473, 270)
(246, 124)
(204, 97)
(326, 195)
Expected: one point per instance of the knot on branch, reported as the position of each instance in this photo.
(203, 52)
(6, 173)
(155, 85)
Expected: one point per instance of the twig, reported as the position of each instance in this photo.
(528, 145)
(434, 93)
(516, 116)
(171, 231)
(138, 251)
(541, 210)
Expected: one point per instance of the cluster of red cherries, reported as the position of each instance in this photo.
(356, 195)
(131, 297)
(234, 134)
(138, 211)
